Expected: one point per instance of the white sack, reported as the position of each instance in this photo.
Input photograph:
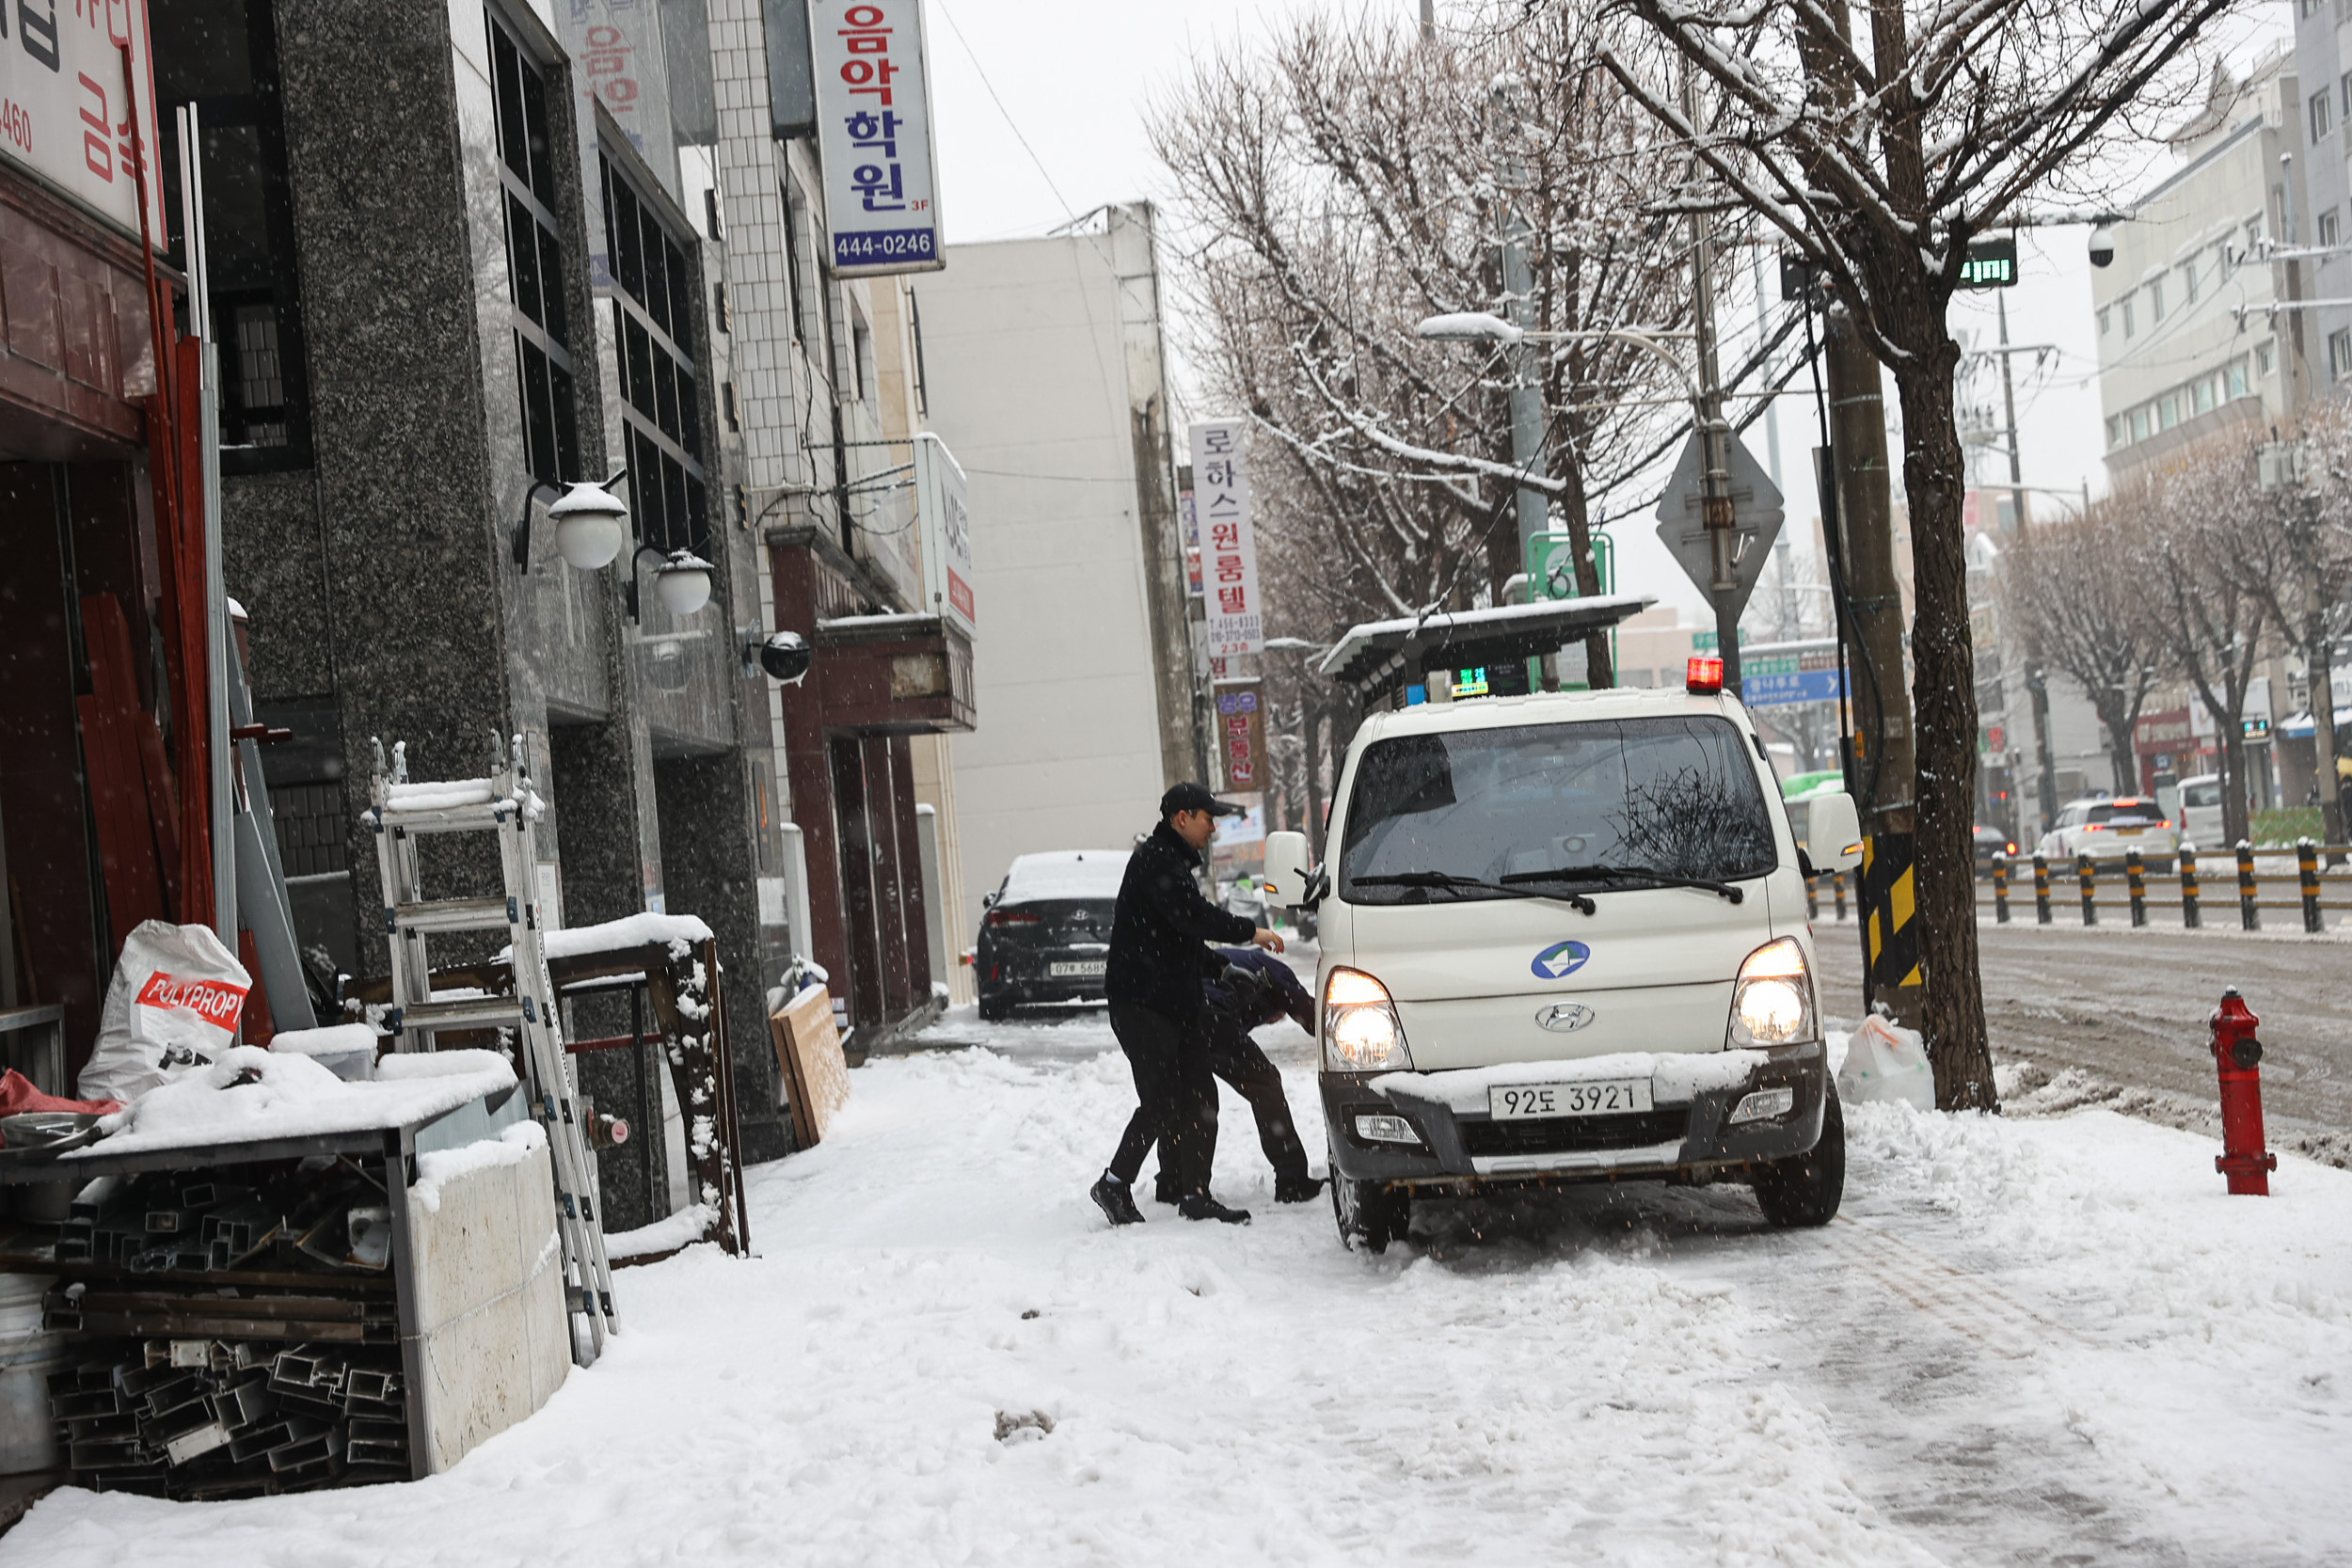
(1884, 1061)
(174, 1004)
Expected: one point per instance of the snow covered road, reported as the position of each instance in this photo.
(2027, 1341)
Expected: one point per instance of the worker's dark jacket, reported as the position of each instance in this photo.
(1157, 958)
(1282, 996)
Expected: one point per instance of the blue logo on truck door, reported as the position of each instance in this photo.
(1561, 959)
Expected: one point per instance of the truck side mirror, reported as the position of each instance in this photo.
(1832, 831)
(1287, 869)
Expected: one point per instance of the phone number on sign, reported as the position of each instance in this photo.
(884, 245)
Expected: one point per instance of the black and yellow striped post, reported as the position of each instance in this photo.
(2087, 878)
(2041, 888)
(2135, 885)
(2307, 872)
(1889, 904)
(1813, 896)
(2190, 917)
(2250, 912)
(2000, 889)
(1837, 891)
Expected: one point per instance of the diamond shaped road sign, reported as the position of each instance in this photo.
(1754, 518)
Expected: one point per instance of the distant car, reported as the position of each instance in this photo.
(2200, 811)
(2109, 829)
(1047, 933)
(1991, 842)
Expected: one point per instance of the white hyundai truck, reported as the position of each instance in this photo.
(1565, 939)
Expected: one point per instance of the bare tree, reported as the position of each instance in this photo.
(1878, 160)
(2076, 594)
(1353, 181)
(2212, 580)
(2310, 525)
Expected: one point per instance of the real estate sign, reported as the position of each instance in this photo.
(874, 133)
(1241, 734)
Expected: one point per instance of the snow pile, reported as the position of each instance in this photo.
(512, 1147)
(685, 1227)
(1673, 1077)
(332, 1040)
(643, 929)
(1065, 874)
(439, 795)
(252, 1093)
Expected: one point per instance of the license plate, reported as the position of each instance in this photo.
(1607, 1097)
(1086, 969)
(2127, 832)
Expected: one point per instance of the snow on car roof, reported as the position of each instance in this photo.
(1065, 874)
(1556, 707)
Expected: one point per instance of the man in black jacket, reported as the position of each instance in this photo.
(1256, 989)
(1153, 976)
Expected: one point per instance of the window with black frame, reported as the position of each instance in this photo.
(654, 295)
(534, 261)
(221, 57)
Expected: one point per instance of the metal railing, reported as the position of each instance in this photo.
(2254, 880)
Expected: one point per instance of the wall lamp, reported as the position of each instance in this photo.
(590, 526)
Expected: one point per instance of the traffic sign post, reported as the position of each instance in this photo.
(1747, 520)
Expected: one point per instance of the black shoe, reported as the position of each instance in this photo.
(1296, 1189)
(1117, 1201)
(1164, 1191)
(1200, 1206)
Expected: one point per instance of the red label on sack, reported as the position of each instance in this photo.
(216, 1002)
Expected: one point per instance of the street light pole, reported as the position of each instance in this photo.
(1715, 506)
(1518, 288)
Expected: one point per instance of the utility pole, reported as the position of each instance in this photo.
(2009, 409)
(1885, 767)
(1428, 21)
(1518, 288)
(1715, 505)
(2037, 688)
(2298, 369)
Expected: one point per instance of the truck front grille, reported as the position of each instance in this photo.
(1573, 1134)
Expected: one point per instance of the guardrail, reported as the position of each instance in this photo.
(2253, 880)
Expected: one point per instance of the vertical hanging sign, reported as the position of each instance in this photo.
(1241, 734)
(1229, 546)
(64, 105)
(874, 133)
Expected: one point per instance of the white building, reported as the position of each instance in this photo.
(1044, 362)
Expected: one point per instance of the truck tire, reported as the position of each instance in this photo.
(1370, 1215)
(1804, 1189)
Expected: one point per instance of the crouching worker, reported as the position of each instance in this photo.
(1154, 978)
(1257, 989)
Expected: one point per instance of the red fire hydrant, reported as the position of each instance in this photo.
(2238, 1057)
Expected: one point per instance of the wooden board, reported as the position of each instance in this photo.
(816, 1075)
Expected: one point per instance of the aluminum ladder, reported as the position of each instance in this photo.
(506, 804)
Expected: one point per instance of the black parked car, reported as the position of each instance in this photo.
(1047, 931)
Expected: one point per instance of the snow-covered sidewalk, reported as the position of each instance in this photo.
(2025, 1341)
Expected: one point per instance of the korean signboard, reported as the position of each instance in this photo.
(617, 45)
(64, 104)
(1786, 679)
(1229, 546)
(874, 129)
(1241, 734)
(947, 533)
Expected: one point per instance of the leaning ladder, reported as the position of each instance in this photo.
(507, 805)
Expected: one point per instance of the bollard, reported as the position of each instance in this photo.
(2087, 874)
(2189, 886)
(2237, 1056)
(2000, 889)
(2041, 888)
(2250, 913)
(2307, 871)
(2135, 884)
(1837, 891)
(1813, 897)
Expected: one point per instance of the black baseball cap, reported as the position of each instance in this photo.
(1195, 797)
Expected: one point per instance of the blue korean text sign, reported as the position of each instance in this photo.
(874, 127)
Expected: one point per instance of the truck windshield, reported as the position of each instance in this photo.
(1488, 812)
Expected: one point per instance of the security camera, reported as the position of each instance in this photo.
(2102, 245)
(786, 656)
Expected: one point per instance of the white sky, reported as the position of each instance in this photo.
(1076, 77)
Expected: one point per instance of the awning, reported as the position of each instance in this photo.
(1380, 656)
(2301, 726)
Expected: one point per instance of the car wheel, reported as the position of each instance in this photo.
(1370, 1215)
(1804, 1189)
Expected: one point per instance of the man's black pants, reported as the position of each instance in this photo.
(1235, 1057)
(1175, 1094)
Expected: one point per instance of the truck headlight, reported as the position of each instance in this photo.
(1773, 1002)
(1361, 1032)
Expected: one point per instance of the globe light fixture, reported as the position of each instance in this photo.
(590, 524)
(682, 582)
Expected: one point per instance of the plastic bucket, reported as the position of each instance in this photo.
(28, 1435)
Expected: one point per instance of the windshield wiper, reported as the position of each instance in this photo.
(1450, 880)
(1628, 874)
